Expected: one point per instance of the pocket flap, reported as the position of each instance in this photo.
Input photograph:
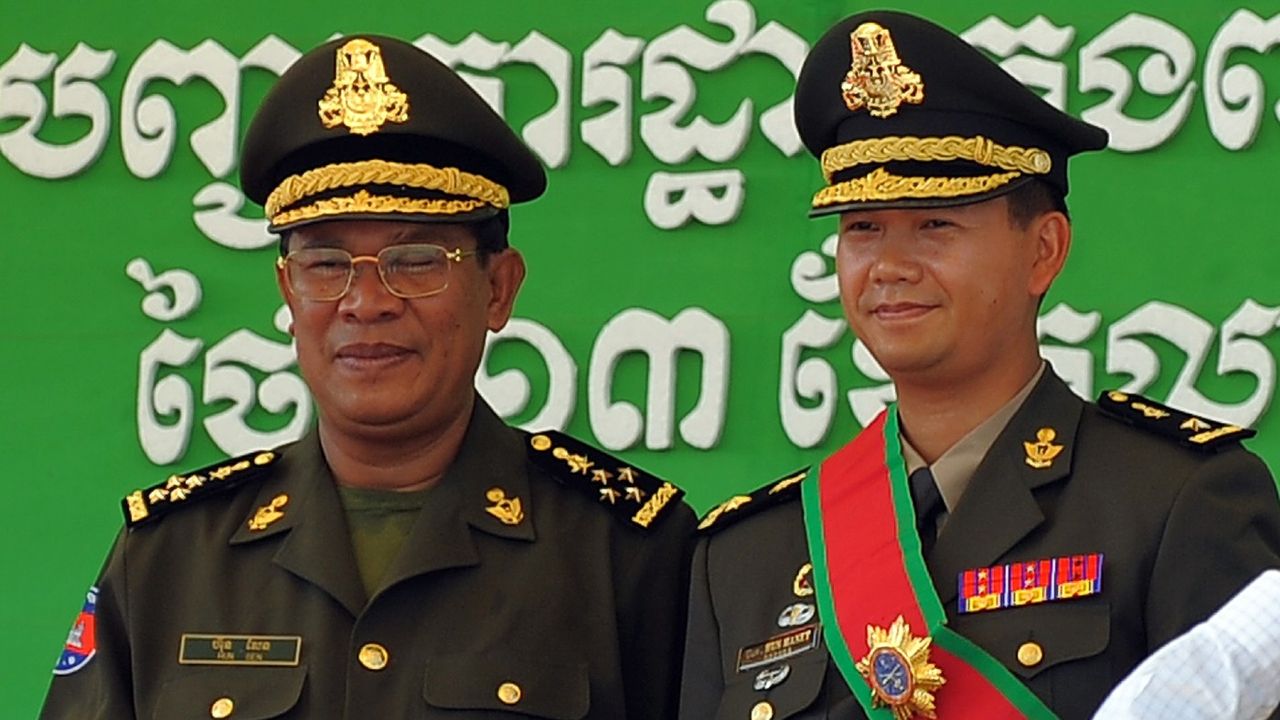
(243, 693)
(1033, 639)
(538, 688)
(797, 690)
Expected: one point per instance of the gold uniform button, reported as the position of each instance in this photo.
(373, 656)
(509, 693)
(221, 708)
(762, 711)
(1030, 654)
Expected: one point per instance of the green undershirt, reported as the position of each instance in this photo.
(379, 522)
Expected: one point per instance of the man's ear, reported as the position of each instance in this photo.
(282, 282)
(506, 272)
(1051, 234)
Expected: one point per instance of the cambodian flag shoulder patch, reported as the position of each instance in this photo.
(81, 644)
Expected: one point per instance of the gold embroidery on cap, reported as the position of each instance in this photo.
(449, 180)
(878, 81)
(881, 185)
(364, 202)
(977, 149)
(362, 97)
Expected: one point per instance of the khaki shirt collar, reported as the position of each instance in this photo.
(953, 470)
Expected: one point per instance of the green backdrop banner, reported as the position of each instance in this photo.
(680, 308)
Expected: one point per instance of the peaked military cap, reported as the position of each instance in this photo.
(374, 127)
(903, 113)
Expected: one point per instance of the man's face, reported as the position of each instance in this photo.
(378, 364)
(947, 294)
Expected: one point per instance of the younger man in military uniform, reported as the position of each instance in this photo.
(991, 546)
(413, 556)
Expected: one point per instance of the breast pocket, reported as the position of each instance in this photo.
(509, 686)
(242, 693)
(1057, 649)
(779, 691)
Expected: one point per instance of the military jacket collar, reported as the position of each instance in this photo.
(999, 507)
(318, 546)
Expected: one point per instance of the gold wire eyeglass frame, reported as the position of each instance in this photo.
(456, 255)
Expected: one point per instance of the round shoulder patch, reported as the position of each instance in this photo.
(81, 645)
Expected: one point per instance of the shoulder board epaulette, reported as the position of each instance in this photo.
(1190, 430)
(628, 492)
(180, 490)
(743, 506)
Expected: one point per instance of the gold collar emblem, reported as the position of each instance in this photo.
(898, 670)
(1040, 454)
(362, 97)
(506, 509)
(269, 513)
(878, 81)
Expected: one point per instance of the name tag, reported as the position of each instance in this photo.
(266, 650)
(780, 647)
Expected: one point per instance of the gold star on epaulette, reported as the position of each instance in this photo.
(1190, 430)
(144, 505)
(613, 484)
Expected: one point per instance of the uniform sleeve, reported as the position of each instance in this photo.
(653, 607)
(703, 682)
(1222, 532)
(1224, 668)
(100, 687)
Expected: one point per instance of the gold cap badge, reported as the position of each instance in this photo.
(506, 509)
(362, 97)
(1040, 454)
(878, 81)
(898, 670)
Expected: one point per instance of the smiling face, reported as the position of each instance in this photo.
(947, 295)
(380, 365)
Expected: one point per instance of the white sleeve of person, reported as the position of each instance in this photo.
(1226, 667)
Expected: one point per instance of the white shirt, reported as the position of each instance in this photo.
(1226, 667)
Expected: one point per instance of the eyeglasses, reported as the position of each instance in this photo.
(407, 271)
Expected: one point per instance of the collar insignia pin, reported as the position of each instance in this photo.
(1040, 454)
(507, 510)
(269, 513)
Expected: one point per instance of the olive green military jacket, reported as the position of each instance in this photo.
(570, 612)
(1181, 530)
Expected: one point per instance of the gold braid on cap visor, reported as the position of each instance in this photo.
(476, 191)
(881, 185)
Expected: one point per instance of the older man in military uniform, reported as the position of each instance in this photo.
(413, 556)
(991, 546)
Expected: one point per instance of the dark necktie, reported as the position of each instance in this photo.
(928, 502)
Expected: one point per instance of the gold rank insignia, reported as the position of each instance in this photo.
(1040, 454)
(629, 492)
(1191, 430)
(878, 81)
(268, 513)
(737, 508)
(362, 97)
(802, 586)
(507, 510)
(898, 670)
(178, 490)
